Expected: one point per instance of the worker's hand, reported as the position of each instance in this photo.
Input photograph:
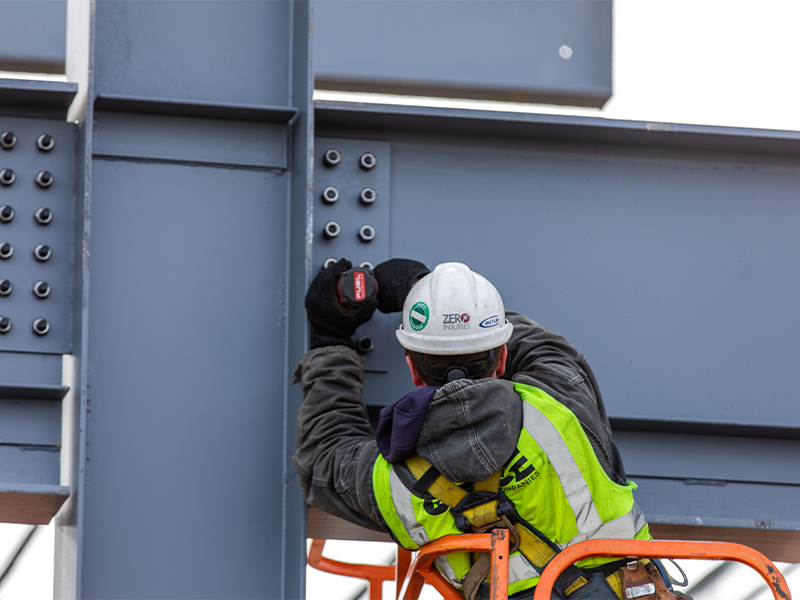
(395, 278)
(332, 322)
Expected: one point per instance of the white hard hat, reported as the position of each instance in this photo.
(453, 311)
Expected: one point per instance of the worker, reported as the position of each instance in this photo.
(506, 428)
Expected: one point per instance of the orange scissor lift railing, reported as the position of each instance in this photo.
(412, 571)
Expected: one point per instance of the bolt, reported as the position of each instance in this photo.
(6, 250)
(6, 213)
(7, 176)
(331, 230)
(330, 195)
(332, 157)
(367, 161)
(44, 179)
(43, 216)
(329, 262)
(41, 326)
(366, 234)
(565, 52)
(7, 140)
(6, 287)
(365, 345)
(41, 289)
(367, 265)
(368, 196)
(5, 324)
(46, 142)
(42, 252)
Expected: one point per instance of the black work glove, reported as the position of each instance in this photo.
(333, 323)
(395, 278)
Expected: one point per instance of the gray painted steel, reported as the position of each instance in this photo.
(551, 52)
(665, 253)
(184, 318)
(24, 233)
(33, 35)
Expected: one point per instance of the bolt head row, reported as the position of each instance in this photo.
(43, 216)
(333, 157)
(41, 289)
(367, 196)
(44, 179)
(42, 252)
(44, 142)
(40, 326)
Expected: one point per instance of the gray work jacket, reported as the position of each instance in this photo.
(336, 446)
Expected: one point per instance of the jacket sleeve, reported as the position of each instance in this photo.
(545, 360)
(336, 447)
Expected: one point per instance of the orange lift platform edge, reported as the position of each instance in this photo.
(413, 570)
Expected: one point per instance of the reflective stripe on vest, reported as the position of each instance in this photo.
(554, 480)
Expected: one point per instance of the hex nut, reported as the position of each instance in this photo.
(367, 161)
(332, 157)
(46, 142)
(42, 252)
(44, 179)
(6, 287)
(329, 262)
(41, 289)
(7, 176)
(8, 140)
(331, 230)
(6, 213)
(365, 344)
(43, 216)
(366, 234)
(330, 195)
(6, 250)
(368, 196)
(5, 324)
(41, 326)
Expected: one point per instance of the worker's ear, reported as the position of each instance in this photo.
(414, 375)
(501, 365)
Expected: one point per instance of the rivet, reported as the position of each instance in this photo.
(46, 142)
(330, 195)
(44, 179)
(42, 252)
(8, 139)
(7, 176)
(332, 157)
(43, 216)
(41, 326)
(367, 161)
(365, 345)
(366, 234)
(331, 230)
(368, 196)
(41, 289)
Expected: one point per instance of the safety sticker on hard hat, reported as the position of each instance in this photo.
(418, 316)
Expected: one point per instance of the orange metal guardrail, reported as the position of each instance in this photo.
(662, 549)
(414, 573)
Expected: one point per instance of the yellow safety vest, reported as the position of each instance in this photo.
(554, 481)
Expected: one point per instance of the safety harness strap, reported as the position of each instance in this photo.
(481, 509)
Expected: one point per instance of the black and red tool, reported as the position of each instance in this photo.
(357, 284)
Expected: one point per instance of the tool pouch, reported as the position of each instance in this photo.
(643, 582)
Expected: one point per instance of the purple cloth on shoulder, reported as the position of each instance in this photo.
(399, 424)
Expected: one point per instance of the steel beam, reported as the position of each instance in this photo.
(664, 252)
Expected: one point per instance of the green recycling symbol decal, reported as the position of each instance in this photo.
(418, 316)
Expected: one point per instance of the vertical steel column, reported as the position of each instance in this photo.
(195, 137)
